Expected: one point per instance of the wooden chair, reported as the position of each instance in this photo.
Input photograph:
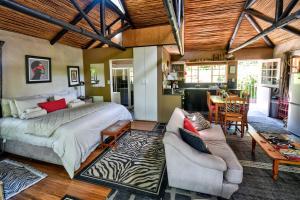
(246, 96)
(211, 108)
(233, 113)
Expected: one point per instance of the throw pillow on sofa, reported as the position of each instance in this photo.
(199, 121)
(194, 141)
(187, 124)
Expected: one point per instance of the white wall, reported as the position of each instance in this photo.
(14, 50)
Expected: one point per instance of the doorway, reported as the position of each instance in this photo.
(121, 76)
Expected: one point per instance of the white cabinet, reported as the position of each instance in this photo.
(145, 83)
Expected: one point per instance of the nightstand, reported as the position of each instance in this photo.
(86, 99)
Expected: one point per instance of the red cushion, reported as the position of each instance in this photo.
(187, 124)
(52, 106)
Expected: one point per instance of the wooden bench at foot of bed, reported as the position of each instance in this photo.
(115, 131)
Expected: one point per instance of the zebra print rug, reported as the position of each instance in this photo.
(137, 164)
(17, 177)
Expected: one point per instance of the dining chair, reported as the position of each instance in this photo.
(233, 113)
(211, 108)
(246, 96)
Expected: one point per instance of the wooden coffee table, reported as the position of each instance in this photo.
(273, 153)
(116, 130)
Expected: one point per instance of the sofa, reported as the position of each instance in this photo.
(218, 173)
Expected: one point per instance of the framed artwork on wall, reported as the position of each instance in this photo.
(73, 76)
(38, 69)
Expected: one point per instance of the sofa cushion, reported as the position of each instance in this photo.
(199, 121)
(187, 124)
(213, 133)
(234, 172)
(176, 121)
(194, 141)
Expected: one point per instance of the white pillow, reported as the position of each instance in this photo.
(68, 97)
(13, 108)
(23, 105)
(6, 112)
(34, 114)
(76, 104)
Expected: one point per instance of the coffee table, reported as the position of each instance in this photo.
(274, 154)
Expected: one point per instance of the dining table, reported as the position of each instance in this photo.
(218, 101)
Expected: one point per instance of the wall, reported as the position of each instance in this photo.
(101, 55)
(292, 45)
(166, 103)
(243, 54)
(14, 50)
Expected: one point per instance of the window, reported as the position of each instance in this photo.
(206, 73)
(119, 5)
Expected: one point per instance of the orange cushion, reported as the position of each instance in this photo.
(187, 124)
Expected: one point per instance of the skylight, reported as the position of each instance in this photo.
(119, 5)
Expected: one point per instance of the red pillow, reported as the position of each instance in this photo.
(52, 106)
(187, 124)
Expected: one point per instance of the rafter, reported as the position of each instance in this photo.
(127, 13)
(76, 19)
(270, 20)
(279, 24)
(90, 43)
(278, 9)
(102, 17)
(175, 28)
(289, 8)
(247, 5)
(42, 16)
(256, 26)
(87, 19)
(120, 30)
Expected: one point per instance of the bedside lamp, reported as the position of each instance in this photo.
(81, 83)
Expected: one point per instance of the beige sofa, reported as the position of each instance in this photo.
(217, 174)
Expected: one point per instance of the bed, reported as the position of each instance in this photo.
(70, 142)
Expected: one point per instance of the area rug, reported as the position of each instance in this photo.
(17, 177)
(136, 165)
(257, 181)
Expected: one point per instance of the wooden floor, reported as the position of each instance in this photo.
(57, 184)
(143, 125)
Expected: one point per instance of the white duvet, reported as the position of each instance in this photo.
(73, 141)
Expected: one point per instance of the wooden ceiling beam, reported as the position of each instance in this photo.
(42, 16)
(256, 26)
(247, 5)
(278, 9)
(279, 24)
(127, 13)
(289, 8)
(173, 22)
(270, 20)
(120, 30)
(102, 17)
(87, 19)
(76, 19)
(236, 29)
(90, 43)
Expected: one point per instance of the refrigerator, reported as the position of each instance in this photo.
(294, 104)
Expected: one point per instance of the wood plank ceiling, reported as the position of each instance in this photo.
(64, 10)
(209, 24)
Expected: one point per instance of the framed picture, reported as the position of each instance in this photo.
(232, 69)
(38, 69)
(73, 76)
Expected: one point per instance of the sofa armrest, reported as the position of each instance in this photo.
(203, 159)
